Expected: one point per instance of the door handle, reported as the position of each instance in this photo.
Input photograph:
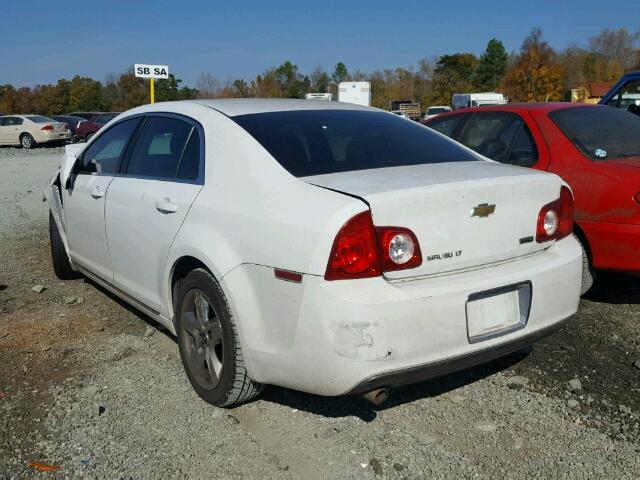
(97, 192)
(165, 206)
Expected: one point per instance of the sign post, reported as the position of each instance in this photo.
(151, 72)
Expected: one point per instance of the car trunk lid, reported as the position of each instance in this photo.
(465, 214)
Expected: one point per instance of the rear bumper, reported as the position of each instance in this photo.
(42, 137)
(334, 338)
(614, 246)
(451, 365)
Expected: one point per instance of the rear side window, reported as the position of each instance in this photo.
(600, 133)
(39, 119)
(104, 155)
(166, 148)
(104, 119)
(491, 134)
(523, 151)
(317, 142)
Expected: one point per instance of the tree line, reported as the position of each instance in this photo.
(537, 72)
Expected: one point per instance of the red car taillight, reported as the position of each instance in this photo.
(47, 128)
(361, 250)
(355, 251)
(555, 220)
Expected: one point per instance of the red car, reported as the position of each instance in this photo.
(595, 149)
(88, 129)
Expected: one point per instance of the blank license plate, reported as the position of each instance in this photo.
(493, 314)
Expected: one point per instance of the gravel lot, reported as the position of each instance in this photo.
(96, 389)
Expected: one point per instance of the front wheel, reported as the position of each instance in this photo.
(59, 258)
(27, 141)
(209, 345)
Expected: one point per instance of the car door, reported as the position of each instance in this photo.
(3, 131)
(149, 200)
(10, 130)
(84, 202)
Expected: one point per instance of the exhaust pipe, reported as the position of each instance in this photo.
(377, 396)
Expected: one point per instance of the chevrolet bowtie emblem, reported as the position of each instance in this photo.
(483, 210)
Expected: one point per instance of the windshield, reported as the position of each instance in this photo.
(40, 119)
(436, 110)
(320, 142)
(600, 133)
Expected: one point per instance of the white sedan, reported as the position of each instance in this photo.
(319, 246)
(31, 130)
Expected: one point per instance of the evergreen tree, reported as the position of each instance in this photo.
(492, 66)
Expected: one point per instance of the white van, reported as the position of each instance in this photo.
(466, 100)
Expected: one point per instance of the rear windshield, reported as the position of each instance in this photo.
(319, 142)
(40, 119)
(600, 133)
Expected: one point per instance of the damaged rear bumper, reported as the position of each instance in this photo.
(335, 338)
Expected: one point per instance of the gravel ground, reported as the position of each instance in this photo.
(95, 388)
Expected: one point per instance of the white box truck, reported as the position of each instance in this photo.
(355, 92)
(466, 100)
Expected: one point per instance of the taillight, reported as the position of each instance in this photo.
(361, 250)
(555, 220)
(355, 251)
(399, 248)
(47, 128)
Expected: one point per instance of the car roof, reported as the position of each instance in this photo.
(232, 107)
(544, 107)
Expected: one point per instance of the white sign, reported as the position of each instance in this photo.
(151, 71)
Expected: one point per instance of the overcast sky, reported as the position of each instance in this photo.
(43, 41)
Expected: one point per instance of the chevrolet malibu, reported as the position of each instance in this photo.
(319, 246)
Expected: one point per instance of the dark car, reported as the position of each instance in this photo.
(593, 148)
(88, 129)
(72, 122)
(85, 115)
(625, 94)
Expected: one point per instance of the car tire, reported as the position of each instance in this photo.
(209, 344)
(588, 272)
(27, 141)
(59, 257)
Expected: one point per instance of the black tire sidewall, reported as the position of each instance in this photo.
(203, 281)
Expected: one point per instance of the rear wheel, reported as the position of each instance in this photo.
(27, 141)
(588, 272)
(59, 257)
(208, 341)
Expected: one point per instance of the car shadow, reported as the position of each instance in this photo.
(615, 288)
(356, 406)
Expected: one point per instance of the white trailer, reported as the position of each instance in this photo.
(466, 100)
(355, 92)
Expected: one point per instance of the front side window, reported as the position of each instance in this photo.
(447, 125)
(600, 133)
(166, 148)
(104, 155)
(491, 134)
(10, 121)
(318, 142)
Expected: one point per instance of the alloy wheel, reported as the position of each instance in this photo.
(202, 339)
